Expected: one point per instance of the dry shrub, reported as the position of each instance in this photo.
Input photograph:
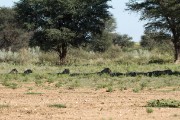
(29, 55)
(50, 58)
(24, 56)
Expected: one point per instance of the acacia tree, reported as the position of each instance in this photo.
(162, 15)
(11, 36)
(103, 42)
(53, 39)
(124, 41)
(82, 20)
(153, 39)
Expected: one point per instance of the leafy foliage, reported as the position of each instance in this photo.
(58, 105)
(149, 110)
(10, 85)
(6, 17)
(162, 15)
(84, 18)
(102, 42)
(11, 36)
(156, 40)
(54, 39)
(122, 40)
(164, 103)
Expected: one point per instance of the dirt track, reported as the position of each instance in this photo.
(84, 104)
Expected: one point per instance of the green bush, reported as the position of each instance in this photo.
(149, 110)
(164, 103)
(110, 89)
(3, 106)
(10, 85)
(58, 105)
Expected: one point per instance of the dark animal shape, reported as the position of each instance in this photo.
(176, 73)
(168, 72)
(134, 74)
(159, 73)
(28, 71)
(105, 71)
(13, 71)
(66, 71)
(116, 74)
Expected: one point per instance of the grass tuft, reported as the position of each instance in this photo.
(149, 110)
(10, 85)
(58, 105)
(110, 89)
(164, 103)
(33, 93)
(136, 90)
(3, 106)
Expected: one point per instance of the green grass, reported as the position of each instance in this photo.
(74, 84)
(3, 106)
(10, 84)
(41, 76)
(34, 93)
(38, 82)
(58, 105)
(109, 89)
(164, 103)
(59, 84)
(136, 90)
(149, 110)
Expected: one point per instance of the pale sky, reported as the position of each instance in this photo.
(126, 23)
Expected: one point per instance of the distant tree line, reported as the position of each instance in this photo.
(59, 24)
(56, 25)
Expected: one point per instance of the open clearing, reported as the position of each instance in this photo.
(44, 96)
(84, 104)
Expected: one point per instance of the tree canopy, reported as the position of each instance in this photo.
(122, 40)
(84, 18)
(156, 40)
(161, 15)
(11, 36)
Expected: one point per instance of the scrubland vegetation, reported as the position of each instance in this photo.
(45, 69)
(63, 50)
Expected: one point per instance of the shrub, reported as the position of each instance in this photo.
(136, 90)
(164, 103)
(3, 106)
(10, 85)
(59, 84)
(110, 89)
(34, 93)
(50, 58)
(58, 105)
(149, 110)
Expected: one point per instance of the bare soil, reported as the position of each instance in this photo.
(84, 104)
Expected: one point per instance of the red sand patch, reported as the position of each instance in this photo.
(84, 104)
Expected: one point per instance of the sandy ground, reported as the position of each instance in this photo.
(84, 104)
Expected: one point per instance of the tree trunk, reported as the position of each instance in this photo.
(62, 51)
(177, 53)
